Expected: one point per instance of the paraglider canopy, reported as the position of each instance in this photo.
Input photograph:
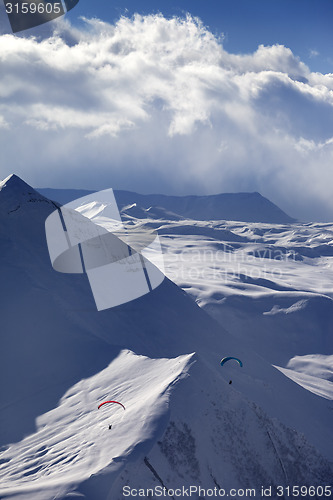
(228, 358)
(105, 402)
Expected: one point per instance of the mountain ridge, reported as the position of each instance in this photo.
(59, 356)
(248, 207)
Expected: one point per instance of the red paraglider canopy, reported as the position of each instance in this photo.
(105, 402)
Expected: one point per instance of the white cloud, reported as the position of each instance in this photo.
(3, 123)
(155, 104)
(313, 53)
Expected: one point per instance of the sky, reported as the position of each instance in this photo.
(175, 97)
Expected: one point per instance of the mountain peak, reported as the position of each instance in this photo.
(13, 181)
(14, 192)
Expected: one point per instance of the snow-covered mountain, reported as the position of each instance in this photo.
(184, 424)
(249, 207)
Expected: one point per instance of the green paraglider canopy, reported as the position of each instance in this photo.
(228, 358)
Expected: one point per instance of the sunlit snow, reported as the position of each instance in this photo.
(73, 441)
(265, 294)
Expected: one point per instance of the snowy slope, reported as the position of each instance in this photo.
(73, 440)
(273, 290)
(60, 358)
(251, 207)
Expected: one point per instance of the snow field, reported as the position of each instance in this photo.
(73, 441)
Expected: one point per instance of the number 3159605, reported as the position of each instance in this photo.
(33, 8)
